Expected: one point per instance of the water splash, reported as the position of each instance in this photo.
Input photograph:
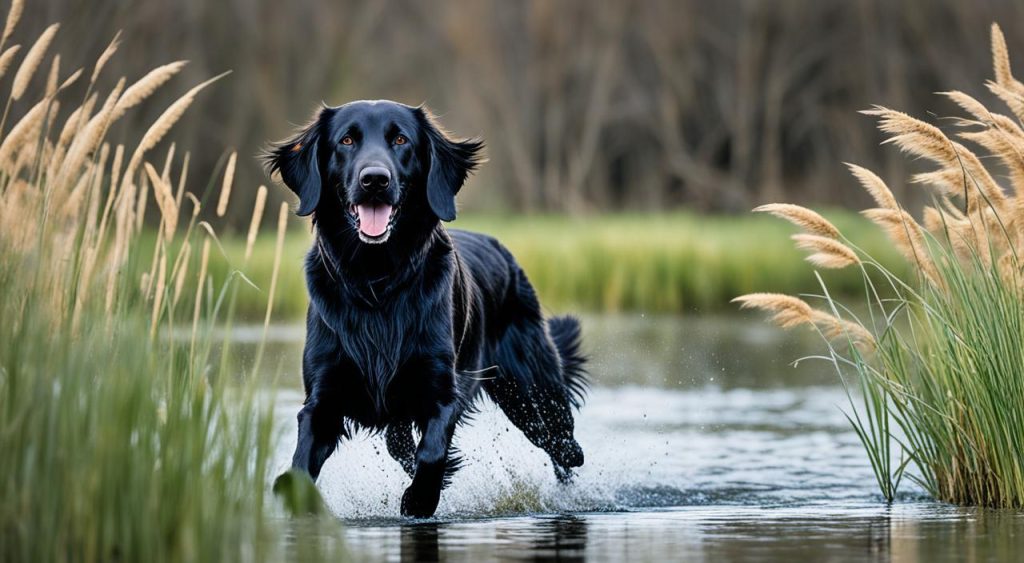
(646, 448)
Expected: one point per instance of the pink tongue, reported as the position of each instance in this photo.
(373, 219)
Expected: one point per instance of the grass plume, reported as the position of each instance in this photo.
(254, 224)
(145, 86)
(31, 62)
(808, 220)
(225, 189)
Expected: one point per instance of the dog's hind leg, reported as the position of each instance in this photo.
(534, 394)
(401, 445)
(544, 419)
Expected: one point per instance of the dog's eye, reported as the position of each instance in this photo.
(347, 140)
(401, 140)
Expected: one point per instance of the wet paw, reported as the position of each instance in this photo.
(567, 453)
(419, 504)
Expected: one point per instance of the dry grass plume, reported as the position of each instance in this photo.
(808, 220)
(31, 62)
(225, 189)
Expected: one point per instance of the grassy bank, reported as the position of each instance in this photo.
(121, 438)
(675, 263)
(942, 356)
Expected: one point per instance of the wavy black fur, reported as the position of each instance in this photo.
(567, 335)
(405, 329)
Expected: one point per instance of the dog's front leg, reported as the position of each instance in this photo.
(421, 498)
(320, 427)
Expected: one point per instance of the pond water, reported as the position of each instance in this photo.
(702, 441)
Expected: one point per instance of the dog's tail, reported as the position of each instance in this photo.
(565, 332)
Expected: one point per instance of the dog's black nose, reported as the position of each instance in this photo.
(375, 177)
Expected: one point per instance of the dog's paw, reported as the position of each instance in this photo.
(566, 452)
(419, 504)
(298, 492)
(564, 474)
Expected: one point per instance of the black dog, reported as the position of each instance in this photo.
(408, 321)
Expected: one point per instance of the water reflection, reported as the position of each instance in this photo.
(420, 542)
(911, 533)
(558, 538)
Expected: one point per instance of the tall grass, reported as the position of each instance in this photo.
(121, 439)
(939, 354)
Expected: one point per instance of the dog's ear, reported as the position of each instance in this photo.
(298, 161)
(450, 162)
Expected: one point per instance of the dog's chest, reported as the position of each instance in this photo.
(379, 347)
(379, 338)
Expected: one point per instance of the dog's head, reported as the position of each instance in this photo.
(368, 160)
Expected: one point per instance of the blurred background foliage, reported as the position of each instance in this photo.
(586, 106)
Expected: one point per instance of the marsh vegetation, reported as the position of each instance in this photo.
(937, 354)
(120, 442)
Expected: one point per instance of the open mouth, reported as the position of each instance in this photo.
(374, 221)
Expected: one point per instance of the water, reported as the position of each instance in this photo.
(702, 441)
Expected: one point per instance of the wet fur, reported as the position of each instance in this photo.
(404, 336)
